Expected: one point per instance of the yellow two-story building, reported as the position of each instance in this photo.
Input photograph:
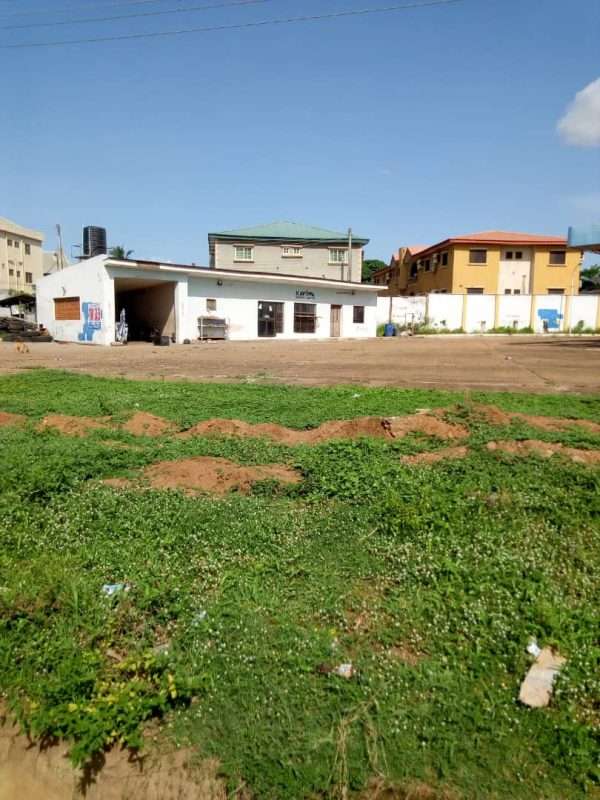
(491, 262)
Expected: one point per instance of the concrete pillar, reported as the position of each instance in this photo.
(496, 310)
(181, 312)
(463, 318)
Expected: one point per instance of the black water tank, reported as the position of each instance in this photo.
(94, 241)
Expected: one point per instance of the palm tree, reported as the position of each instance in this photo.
(120, 252)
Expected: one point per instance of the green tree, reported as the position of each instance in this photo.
(591, 272)
(120, 252)
(371, 265)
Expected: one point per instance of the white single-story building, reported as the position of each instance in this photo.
(83, 302)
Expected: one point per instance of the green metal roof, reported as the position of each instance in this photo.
(294, 231)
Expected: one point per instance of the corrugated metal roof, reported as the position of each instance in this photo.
(294, 231)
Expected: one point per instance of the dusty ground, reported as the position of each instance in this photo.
(521, 363)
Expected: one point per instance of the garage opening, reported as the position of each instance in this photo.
(149, 308)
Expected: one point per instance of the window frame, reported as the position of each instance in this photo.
(475, 290)
(336, 262)
(556, 291)
(307, 315)
(553, 253)
(236, 257)
(211, 304)
(29, 277)
(478, 250)
(360, 312)
(27, 249)
(297, 247)
(67, 317)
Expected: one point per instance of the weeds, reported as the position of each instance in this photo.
(234, 603)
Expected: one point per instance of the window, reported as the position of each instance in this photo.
(507, 291)
(556, 291)
(18, 273)
(304, 317)
(9, 242)
(427, 264)
(11, 272)
(211, 304)
(338, 255)
(444, 258)
(557, 258)
(477, 256)
(474, 290)
(16, 244)
(413, 270)
(358, 315)
(443, 291)
(67, 308)
(517, 291)
(243, 252)
(291, 252)
(28, 277)
(519, 255)
(508, 255)
(27, 249)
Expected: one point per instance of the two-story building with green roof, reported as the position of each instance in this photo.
(289, 248)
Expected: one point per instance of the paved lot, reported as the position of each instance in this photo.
(519, 363)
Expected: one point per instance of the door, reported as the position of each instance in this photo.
(266, 319)
(336, 315)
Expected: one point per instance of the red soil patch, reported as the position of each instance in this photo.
(376, 427)
(144, 424)
(496, 416)
(72, 426)
(11, 419)
(405, 654)
(546, 450)
(447, 453)
(204, 474)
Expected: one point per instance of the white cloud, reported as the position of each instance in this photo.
(580, 125)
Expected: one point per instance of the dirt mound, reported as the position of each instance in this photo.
(434, 457)
(376, 427)
(72, 426)
(426, 424)
(496, 416)
(145, 424)
(7, 418)
(27, 770)
(205, 474)
(545, 450)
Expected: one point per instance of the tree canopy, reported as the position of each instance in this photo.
(371, 265)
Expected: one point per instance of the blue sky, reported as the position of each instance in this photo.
(408, 126)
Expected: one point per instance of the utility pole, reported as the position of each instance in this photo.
(60, 261)
(349, 255)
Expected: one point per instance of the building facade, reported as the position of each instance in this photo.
(21, 260)
(83, 303)
(289, 248)
(492, 262)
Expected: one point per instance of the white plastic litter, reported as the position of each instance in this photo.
(111, 589)
(344, 671)
(532, 648)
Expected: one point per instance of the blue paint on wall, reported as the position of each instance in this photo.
(551, 316)
(92, 321)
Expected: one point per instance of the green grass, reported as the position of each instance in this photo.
(456, 565)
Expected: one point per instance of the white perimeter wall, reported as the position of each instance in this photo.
(476, 313)
(90, 282)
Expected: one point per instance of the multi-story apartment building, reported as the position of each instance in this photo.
(21, 261)
(491, 262)
(289, 248)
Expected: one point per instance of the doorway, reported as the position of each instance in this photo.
(336, 317)
(149, 308)
(270, 319)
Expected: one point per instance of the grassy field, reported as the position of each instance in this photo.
(428, 580)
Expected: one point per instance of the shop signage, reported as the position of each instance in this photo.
(304, 294)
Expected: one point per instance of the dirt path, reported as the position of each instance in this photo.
(517, 363)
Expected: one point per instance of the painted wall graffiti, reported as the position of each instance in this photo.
(551, 317)
(92, 321)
